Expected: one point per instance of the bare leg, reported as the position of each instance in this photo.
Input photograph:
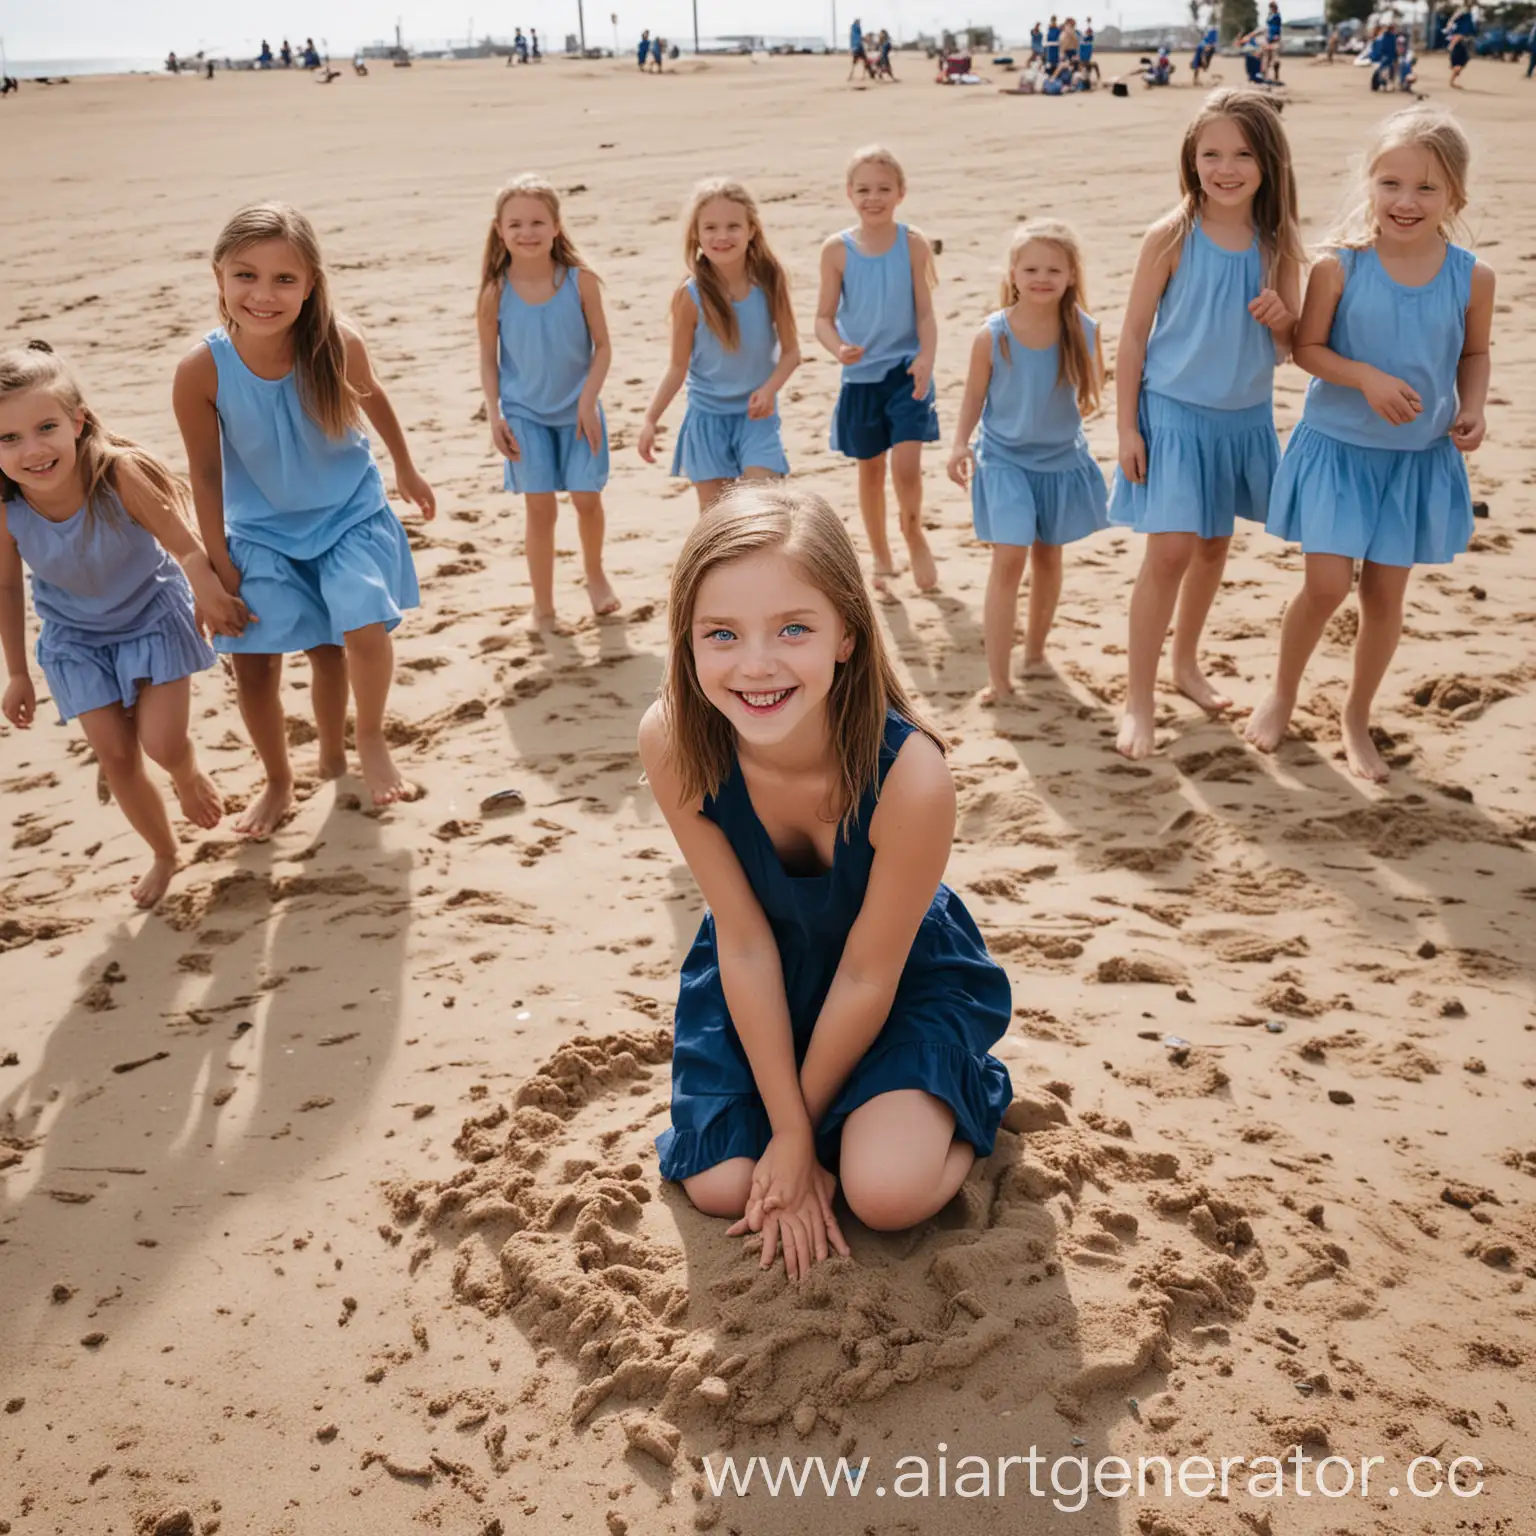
(708, 492)
(589, 528)
(371, 663)
(1196, 594)
(1000, 616)
(1325, 586)
(110, 731)
(1044, 594)
(900, 1161)
(1382, 590)
(907, 477)
(1156, 591)
(872, 510)
(539, 548)
(723, 1189)
(329, 689)
(258, 687)
(161, 720)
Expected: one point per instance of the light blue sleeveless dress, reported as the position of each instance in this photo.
(1035, 478)
(877, 310)
(305, 517)
(1207, 401)
(952, 1003)
(115, 608)
(546, 354)
(1353, 484)
(717, 439)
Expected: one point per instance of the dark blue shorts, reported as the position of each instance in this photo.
(870, 419)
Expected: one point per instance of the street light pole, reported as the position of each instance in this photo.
(581, 26)
(695, 28)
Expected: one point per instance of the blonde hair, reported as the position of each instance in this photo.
(751, 517)
(763, 267)
(1416, 128)
(498, 258)
(319, 348)
(1077, 364)
(99, 453)
(1275, 217)
(877, 154)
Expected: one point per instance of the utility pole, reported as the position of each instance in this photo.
(581, 25)
(695, 28)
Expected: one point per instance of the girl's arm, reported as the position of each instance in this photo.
(20, 702)
(587, 421)
(766, 394)
(1154, 266)
(1279, 306)
(381, 415)
(488, 329)
(685, 315)
(924, 276)
(225, 613)
(1392, 399)
(833, 258)
(912, 830)
(194, 395)
(961, 459)
(1475, 366)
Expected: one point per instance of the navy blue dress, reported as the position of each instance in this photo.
(952, 1002)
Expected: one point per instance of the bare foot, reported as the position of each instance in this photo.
(103, 789)
(601, 595)
(263, 815)
(548, 623)
(385, 782)
(201, 803)
(991, 696)
(924, 571)
(1137, 736)
(1268, 723)
(1191, 682)
(333, 765)
(1037, 666)
(154, 882)
(1365, 762)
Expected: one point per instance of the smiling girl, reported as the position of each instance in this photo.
(544, 354)
(1036, 370)
(838, 1004)
(1212, 307)
(733, 340)
(1395, 333)
(291, 504)
(98, 521)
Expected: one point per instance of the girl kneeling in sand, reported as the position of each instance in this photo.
(115, 570)
(837, 1006)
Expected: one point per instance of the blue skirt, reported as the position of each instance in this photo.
(555, 459)
(366, 577)
(1011, 504)
(1392, 506)
(1205, 469)
(86, 671)
(952, 1003)
(713, 446)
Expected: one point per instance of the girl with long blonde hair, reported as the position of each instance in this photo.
(735, 343)
(837, 1008)
(1036, 370)
(291, 505)
(544, 356)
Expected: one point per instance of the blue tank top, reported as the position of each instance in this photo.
(1031, 414)
(287, 485)
(877, 309)
(546, 352)
(722, 381)
(1415, 334)
(1205, 348)
(98, 571)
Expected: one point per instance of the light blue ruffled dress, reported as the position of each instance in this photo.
(116, 610)
(952, 1003)
(717, 439)
(1353, 484)
(1207, 400)
(1035, 478)
(546, 353)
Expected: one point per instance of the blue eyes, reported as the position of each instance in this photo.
(719, 634)
(791, 631)
(795, 629)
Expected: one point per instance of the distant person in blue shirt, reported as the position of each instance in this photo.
(858, 59)
(643, 48)
(1036, 42)
(1462, 29)
(1205, 52)
(1271, 56)
(264, 58)
(1053, 44)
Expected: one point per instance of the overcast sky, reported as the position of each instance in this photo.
(148, 28)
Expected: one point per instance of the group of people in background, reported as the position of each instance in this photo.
(869, 52)
(651, 52)
(308, 57)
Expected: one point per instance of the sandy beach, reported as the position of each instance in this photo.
(328, 1201)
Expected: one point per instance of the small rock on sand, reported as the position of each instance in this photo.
(655, 1437)
(168, 1522)
(1141, 967)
